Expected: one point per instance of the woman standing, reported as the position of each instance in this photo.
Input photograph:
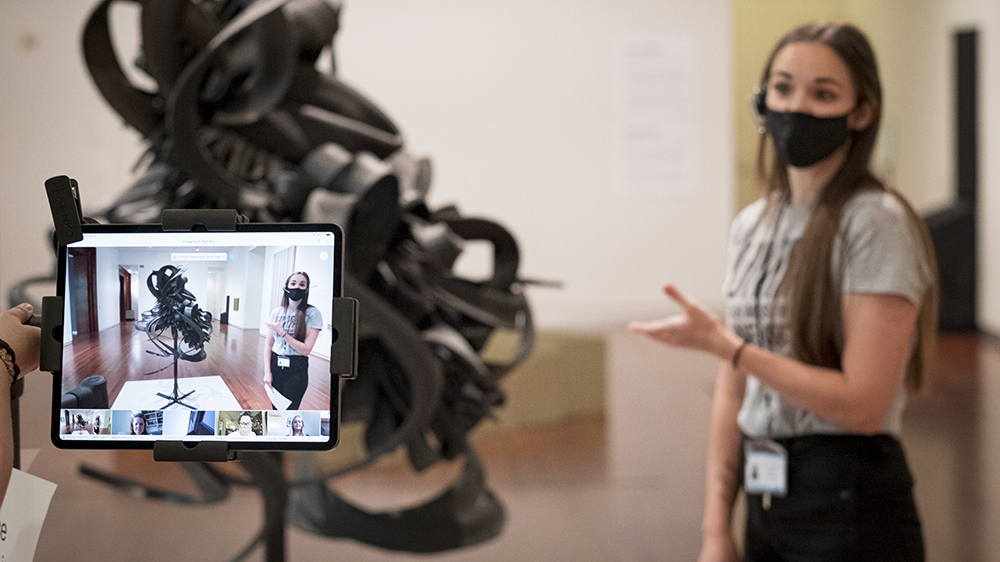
(293, 329)
(830, 303)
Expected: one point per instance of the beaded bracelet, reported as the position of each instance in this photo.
(7, 355)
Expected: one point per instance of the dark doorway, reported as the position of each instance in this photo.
(953, 230)
(82, 272)
(124, 295)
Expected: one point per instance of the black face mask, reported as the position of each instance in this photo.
(802, 139)
(295, 294)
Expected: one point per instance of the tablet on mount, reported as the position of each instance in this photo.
(177, 337)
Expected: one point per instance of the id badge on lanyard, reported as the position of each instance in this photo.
(765, 469)
(284, 362)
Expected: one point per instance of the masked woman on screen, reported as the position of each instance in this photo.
(292, 331)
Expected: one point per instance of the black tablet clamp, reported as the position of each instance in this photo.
(266, 469)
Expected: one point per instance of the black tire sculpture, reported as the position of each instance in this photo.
(177, 312)
(243, 118)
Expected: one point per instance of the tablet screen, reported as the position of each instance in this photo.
(199, 336)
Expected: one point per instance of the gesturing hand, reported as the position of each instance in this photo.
(276, 328)
(694, 328)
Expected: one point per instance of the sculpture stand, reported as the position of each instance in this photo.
(267, 472)
(16, 391)
(175, 397)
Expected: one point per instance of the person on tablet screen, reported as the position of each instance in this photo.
(139, 424)
(292, 331)
(298, 426)
(245, 428)
(80, 425)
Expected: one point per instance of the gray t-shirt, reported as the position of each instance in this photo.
(879, 250)
(286, 317)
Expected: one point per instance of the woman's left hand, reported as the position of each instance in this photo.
(694, 328)
(23, 339)
(276, 328)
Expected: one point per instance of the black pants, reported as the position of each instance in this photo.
(849, 498)
(291, 381)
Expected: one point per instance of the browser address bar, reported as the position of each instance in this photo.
(198, 256)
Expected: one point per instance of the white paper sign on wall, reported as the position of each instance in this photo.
(655, 116)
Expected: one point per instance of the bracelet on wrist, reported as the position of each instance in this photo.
(736, 355)
(9, 361)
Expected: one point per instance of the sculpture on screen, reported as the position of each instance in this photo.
(176, 316)
(248, 112)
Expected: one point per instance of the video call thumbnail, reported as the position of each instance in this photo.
(235, 424)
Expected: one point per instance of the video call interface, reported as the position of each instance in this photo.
(178, 325)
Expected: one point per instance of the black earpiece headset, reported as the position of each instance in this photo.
(758, 103)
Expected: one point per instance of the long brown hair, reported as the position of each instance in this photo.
(817, 336)
(300, 312)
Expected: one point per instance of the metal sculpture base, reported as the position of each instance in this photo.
(175, 400)
(175, 397)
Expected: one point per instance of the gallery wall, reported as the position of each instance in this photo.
(515, 104)
(915, 41)
(984, 15)
(52, 122)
